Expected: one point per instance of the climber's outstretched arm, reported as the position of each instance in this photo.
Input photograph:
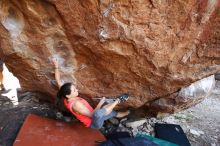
(57, 72)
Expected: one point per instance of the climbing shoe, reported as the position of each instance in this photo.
(123, 97)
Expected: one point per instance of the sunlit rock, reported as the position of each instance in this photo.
(185, 98)
(11, 84)
(149, 49)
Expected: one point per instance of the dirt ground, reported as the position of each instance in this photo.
(204, 118)
(201, 123)
(12, 117)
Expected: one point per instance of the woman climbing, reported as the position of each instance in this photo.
(81, 109)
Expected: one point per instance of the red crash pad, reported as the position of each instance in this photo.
(41, 131)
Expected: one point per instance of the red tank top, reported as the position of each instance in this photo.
(84, 119)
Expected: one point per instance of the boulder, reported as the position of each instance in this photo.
(185, 98)
(150, 49)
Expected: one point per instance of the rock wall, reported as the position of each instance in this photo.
(32, 34)
(149, 48)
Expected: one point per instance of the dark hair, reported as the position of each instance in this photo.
(65, 89)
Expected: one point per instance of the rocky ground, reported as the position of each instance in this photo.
(201, 123)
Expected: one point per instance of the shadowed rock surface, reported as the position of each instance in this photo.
(150, 49)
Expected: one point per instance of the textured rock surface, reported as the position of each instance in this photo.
(185, 98)
(148, 48)
(31, 35)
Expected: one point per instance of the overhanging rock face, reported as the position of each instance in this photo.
(150, 49)
(32, 34)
